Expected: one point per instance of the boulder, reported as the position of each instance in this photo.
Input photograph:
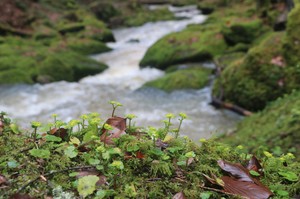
(194, 44)
(191, 78)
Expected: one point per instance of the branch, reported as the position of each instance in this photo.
(220, 104)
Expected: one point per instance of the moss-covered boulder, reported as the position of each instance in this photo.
(276, 128)
(196, 43)
(243, 31)
(260, 77)
(292, 40)
(68, 66)
(191, 78)
(85, 46)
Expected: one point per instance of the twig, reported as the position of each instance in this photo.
(52, 173)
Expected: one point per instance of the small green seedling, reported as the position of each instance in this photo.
(115, 105)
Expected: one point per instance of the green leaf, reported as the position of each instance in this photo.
(117, 164)
(87, 185)
(14, 128)
(52, 138)
(100, 194)
(40, 153)
(132, 147)
(73, 174)
(190, 154)
(205, 195)
(93, 161)
(254, 173)
(71, 152)
(74, 140)
(289, 175)
(12, 164)
(181, 163)
(282, 193)
(115, 150)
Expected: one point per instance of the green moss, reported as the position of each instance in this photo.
(197, 43)
(13, 76)
(86, 46)
(169, 171)
(68, 66)
(243, 31)
(276, 126)
(291, 44)
(194, 78)
(258, 78)
(142, 16)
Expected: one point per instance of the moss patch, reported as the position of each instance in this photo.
(193, 78)
(134, 166)
(197, 43)
(276, 128)
(260, 77)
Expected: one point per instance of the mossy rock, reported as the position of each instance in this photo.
(192, 78)
(262, 76)
(276, 126)
(292, 40)
(243, 31)
(197, 43)
(103, 10)
(69, 66)
(14, 76)
(143, 16)
(86, 46)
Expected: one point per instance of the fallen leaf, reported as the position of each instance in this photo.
(179, 195)
(236, 170)
(3, 180)
(246, 189)
(61, 132)
(140, 155)
(254, 165)
(119, 127)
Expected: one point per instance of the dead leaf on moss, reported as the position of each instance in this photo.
(60, 132)
(240, 182)
(254, 165)
(179, 195)
(21, 196)
(278, 61)
(3, 180)
(119, 127)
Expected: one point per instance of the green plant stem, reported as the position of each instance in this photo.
(177, 133)
(113, 112)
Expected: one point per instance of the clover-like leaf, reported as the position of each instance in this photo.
(71, 152)
(87, 185)
(40, 153)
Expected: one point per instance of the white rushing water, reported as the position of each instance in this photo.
(26, 103)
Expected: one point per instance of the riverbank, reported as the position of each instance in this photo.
(252, 48)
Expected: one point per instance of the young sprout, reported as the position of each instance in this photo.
(35, 126)
(130, 117)
(54, 115)
(115, 105)
(182, 117)
(84, 117)
(168, 123)
(153, 133)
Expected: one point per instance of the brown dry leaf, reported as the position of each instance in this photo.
(3, 180)
(278, 61)
(179, 195)
(236, 170)
(119, 127)
(254, 165)
(246, 189)
(140, 155)
(241, 182)
(190, 161)
(61, 132)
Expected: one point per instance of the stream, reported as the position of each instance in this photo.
(121, 82)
